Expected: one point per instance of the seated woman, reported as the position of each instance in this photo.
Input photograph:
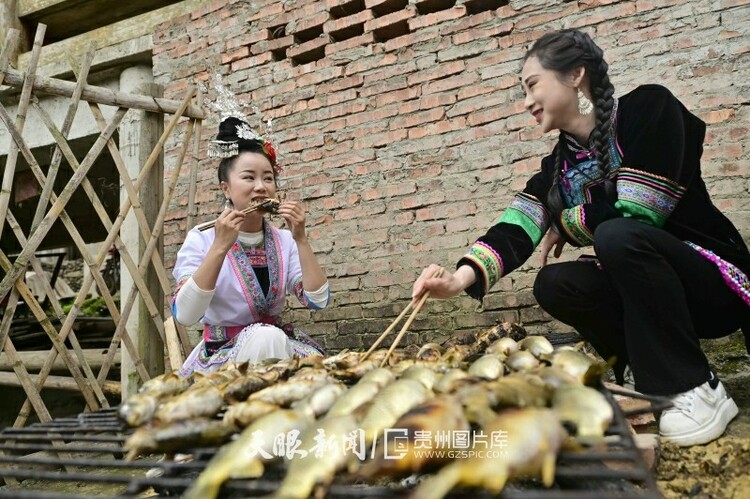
(234, 277)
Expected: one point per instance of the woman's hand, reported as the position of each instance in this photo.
(552, 239)
(227, 228)
(294, 214)
(446, 286)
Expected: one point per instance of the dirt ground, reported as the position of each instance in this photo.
(719, 469)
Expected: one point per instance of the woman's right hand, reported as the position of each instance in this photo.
(227, 228)
(446, 286)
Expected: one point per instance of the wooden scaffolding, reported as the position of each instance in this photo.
(185, 115)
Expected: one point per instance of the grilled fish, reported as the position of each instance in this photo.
(487, 367)
(533, 439)
(390, 404)
(244, 457)
(319, 467)
(521, 361)
(283, 394)
(165, 385)
(416, 431)
(178, 436)
(138, 409)
(243, 414)
(204, 401)
(503, 347)
(536, 345)
(584, 409)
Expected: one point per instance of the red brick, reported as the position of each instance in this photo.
(235, 55)
(397, 96)
(309, 49)
(438, 72)
(250, 62)
(348, 23)
(350, 43)
(437, 17)
(267, 11)
(388, 25)
(449, 83)
(272, 45)
(309, 23)
(419, 118)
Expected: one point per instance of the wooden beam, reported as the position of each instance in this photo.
(101, 95)
(35, 360)
(58, 382)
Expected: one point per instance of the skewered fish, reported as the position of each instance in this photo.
(487, 367)
(243, 414)
(165, 385)
(584, 409)
(332, 441)
(138, 409)
(521, 361)
(390, 404)
(533, 439)
(203, 401)
(416, 431)
(536, 345)
(177, 436)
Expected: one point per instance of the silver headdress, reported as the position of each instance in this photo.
(234, 126)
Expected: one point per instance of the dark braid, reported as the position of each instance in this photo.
(563, 51)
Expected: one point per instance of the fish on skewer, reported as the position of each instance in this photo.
(536, 345)
(390, 404)
(177, 436)
(245, 413)
(138, 409)
(418, 430)
(165, 385)
(533, 439)
(204, 401)
(319, 463)
(585, 410)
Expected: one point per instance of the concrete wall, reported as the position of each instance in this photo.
(401, 126)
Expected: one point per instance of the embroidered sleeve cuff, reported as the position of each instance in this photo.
(573, 223)
(646, 197)
(530, 214)
(489, 264)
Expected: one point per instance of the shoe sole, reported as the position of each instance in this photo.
(709, 432)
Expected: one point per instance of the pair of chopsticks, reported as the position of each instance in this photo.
(417, 303)
(249, 209)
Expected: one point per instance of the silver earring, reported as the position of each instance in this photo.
(228, 204)
(584, 104)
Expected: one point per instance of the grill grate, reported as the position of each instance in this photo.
(92, 453)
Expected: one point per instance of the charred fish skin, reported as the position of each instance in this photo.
(177, 436)
(391, 403)
(165, 385)
(417, 431)
(204, 401)
(533, 439)
(138, 409)
(244, 457)
(585, 409)
(319, 465)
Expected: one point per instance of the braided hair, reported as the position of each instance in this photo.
(563, 51)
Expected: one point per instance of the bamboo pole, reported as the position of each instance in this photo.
(192, 186)
(57, 382)
(89, 277)
(34, 360)
(103, 215)
(88, 58)
(44, 321)
(58, 309)
(59, 204)
(152, 242)
(23, 104)
(106, 96)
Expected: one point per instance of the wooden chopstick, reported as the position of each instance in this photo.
(249, 209)
(390, 328)
(417, 303)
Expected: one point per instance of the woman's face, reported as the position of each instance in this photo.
(550, 99)
(251, 178)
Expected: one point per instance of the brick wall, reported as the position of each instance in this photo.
(402, 128)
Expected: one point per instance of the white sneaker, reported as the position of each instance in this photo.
(698, 416)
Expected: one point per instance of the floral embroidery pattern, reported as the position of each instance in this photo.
(573, 221)
(529, 213)
(488, 261)
(641, 194)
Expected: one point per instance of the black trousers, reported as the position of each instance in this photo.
(648, 302)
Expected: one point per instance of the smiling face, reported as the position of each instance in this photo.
(250, 178)
(550, 97)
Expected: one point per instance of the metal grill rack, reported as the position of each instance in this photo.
(88, 448)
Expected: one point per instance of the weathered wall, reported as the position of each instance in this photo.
(402, 126)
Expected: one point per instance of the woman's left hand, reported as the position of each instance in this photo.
(294, 214)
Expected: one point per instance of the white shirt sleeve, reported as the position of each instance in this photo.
(191, 303)
(320, 296)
